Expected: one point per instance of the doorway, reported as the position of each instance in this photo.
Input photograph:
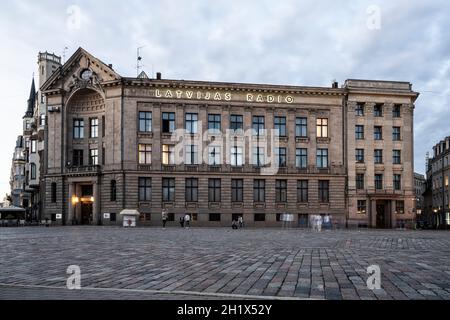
(381, 215)
(86, 213)
(303, 220)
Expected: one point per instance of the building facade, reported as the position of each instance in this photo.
(419, 186)
(437, 194)
(28, 159)
(221, 150)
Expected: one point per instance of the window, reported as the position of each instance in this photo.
(378, 133)
(360, 181)
(191, 124)
(214, 156)
(400, 207)
(280, 126)
(33, 144)
(259, 190)
(396, 136)
(396, 111)
(168, 122)
(33, 171)
(280, 190)
(396, 156)
(359, 154)
(302, 190)
(53, 192)
(378, 156)
(236, 156)
(323, 191)
(378, 181)
(93, 127)
(214, 217)
(42, 120)
(260, 217)
(214, 186)
(192, 190)
(397, 182)
(359, 109)
(259, 157)
(168, 185)
(281, 157)
(322, 158)
(103, 126)
(301, 127)
(93, 157)
(378, 110)
(236, 122)
(113, 194)
(145, 121)
(359, 132)
(145, 189)
(103, 155)
(258, 125)
(78, 158)
(78, 128)
(237, 190)
(214, 122)
(322, 127)
(301, 158)
(191, 154)
(145, 153)
(361, 206)
(168, 155)
(112, 217)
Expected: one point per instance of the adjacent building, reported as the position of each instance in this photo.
(28, 159)
(437, 195)
(218, 150)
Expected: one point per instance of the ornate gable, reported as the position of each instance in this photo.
(81, 71)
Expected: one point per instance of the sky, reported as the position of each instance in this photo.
(276, 42)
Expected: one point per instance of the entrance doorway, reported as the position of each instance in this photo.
(381, 215)
(86, 213)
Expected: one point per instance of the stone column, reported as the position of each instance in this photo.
(373, 213)
(70, 212)
(393, 216)
(95, 206)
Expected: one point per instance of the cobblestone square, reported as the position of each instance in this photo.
(220, 263)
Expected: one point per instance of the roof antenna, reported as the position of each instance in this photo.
(138, 61)
(64, 54)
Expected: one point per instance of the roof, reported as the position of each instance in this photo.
(130, 212)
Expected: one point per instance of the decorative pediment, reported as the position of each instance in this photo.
(81, 71)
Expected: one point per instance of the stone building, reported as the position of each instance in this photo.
(28, 159)
(220, 150)
(419, 186)
(438, 194)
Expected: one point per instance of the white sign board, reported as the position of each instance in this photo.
(106, 216)
(58, 216)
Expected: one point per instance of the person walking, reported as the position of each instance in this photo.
(182, 222)
(319, 223)
(187, 219)
(241, 222)
(234, 225)
(164, 218)
(326, 221)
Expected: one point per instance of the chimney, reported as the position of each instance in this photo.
(110, 66)
(335, 84)
(158, 76)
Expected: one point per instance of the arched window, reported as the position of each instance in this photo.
(33, 171)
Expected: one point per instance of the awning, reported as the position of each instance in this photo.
(12, 209)
(130, 212)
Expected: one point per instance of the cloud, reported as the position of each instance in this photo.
(280, 42)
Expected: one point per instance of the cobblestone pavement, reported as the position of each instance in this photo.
(218, 263)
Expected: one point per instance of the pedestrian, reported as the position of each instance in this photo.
(234, 225)
(187, 219)
(326, 221)
(182, 222)
(164, 218)
(241, 222)
(319, 223)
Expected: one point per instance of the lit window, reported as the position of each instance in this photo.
(168, 155)
(322, 127)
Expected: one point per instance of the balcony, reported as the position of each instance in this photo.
(91, 169)
(145, 167)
